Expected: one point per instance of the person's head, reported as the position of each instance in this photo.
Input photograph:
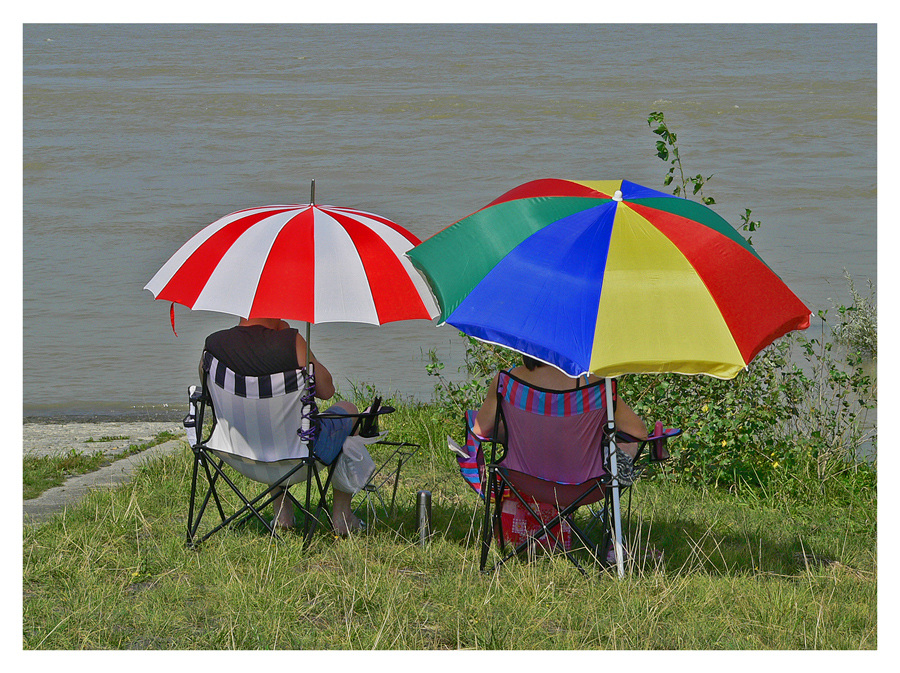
(530, 363)
(271, 323)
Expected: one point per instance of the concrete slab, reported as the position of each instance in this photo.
(55, 500)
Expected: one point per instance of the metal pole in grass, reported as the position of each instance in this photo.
(614, 468)
(423, 506)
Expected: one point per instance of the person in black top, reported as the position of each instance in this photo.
(261, 346)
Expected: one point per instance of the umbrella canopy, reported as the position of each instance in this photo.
(309, 262)
(608, 277)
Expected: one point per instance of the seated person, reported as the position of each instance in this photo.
(545, 376)
(261, 346)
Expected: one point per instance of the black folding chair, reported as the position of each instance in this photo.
(262, 428)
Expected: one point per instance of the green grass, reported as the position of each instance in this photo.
(40, 473)
(737, 573)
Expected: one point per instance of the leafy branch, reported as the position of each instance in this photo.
(667, 150)
(668, 147)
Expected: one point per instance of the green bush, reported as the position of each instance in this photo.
(858, 326)
(733, 430)
(481, 362)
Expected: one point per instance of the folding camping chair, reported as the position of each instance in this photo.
(553, 462)
(262, 428)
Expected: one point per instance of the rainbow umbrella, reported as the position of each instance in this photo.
(608, 277)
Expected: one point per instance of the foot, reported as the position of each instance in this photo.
(283, 522)
(284, 513)
(347, 524)
(611, 554)
(345, 521)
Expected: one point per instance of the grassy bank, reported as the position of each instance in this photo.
(737, 573)
(40, 473)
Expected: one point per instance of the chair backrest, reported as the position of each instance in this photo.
(258, 417)
(556, 436)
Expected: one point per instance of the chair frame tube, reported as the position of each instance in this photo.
(250, 509)
(562, 513)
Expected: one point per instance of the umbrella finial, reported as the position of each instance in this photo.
(618, 195)
(312, 192)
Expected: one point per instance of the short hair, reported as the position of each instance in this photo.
(530, 363)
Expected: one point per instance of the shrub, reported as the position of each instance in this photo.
(858, 326)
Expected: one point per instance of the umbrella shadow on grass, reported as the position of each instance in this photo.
(686, 546)
(694, 547)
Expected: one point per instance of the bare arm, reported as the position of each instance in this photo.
(629, 422)
(324, 381)
(484, 420)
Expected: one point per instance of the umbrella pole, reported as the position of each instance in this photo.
(308, 348)
(312, 200)
(616, 510)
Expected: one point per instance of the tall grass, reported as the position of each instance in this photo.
(736, 573)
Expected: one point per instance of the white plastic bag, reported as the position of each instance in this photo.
(354, 465)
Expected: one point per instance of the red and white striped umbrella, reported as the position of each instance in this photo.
(306, 262)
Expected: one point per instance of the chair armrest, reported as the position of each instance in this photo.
(193, 421)
(366, 424)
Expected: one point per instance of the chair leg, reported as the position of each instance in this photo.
(250, 505)
(251, 508)
(311, 517)
(211, 478)
(387, 474)
(396, 483)
(256, 507)
(190, 520)
(307, 530)
(201, 459)
(546, 527)
(592, 547)
(607, 527)
(546, 530)
(486, 532)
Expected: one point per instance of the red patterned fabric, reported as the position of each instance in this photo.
(519, 525)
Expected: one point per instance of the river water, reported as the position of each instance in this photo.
(136, 136)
